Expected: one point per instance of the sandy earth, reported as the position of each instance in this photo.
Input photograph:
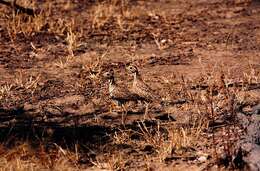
(52, 92)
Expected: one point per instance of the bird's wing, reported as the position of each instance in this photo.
(144, 90)
(122, 93)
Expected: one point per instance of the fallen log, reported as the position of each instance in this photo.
(248, 148)
(63, 111)
(17, 8)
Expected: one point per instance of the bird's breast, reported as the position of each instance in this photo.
(111, 89)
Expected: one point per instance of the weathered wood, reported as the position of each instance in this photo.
(18, 8)
(63, 111)
(248, 148)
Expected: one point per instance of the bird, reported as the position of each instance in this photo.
(139, 87)
(120, 95)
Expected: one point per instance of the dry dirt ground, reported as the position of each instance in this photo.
(202, 57)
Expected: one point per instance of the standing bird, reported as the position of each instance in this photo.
(120, 95)
(140, 88)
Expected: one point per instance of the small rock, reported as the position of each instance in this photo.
(163, 41)
(256, 109)
(202, 159)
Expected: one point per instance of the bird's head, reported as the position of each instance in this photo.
(132, 69)
(109, 74)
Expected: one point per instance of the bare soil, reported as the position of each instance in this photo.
(54, 102)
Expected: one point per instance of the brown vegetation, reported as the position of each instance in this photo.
(201, 57)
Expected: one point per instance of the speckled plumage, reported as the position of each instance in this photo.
(139, 87)
(118, 94)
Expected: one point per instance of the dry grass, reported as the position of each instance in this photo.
(23, 157)
(165, 140)
(107, 11)
(73, 70)
(5, 90)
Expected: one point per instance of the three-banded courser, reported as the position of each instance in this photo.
(119, 94)
(140, 88)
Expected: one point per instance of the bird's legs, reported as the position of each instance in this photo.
(146, 112)
(112, 107)
(124, 114)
